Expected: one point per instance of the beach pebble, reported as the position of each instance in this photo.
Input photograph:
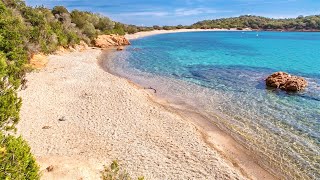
(62, 118)
(46, 127)
(49, 168)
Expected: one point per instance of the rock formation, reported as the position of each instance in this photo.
(81, 47)
(286, 82)
(38, 61)
(105, 41)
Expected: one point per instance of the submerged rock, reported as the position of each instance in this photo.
(286, 81)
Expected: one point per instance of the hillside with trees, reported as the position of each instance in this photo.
(308, 23)
(25, 31)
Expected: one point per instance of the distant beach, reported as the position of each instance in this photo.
(155, 32)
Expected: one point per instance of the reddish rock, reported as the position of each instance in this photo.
(105, 41)
(295, 84)
(277, 79)
(286, 82)
(38, 61)
(81, 47)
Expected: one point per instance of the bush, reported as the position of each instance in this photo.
(16, 161)
(115, 173)
(89, 30)
(12, 59)
(59, 10)
(9, 102)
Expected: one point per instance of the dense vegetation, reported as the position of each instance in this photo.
(308, 23)
(16, 161)
(25, 31)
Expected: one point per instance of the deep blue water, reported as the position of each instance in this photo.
(223, 73)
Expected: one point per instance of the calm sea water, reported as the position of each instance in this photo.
(221, 74)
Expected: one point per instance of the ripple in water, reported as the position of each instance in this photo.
(223, 73)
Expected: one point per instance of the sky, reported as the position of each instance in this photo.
(185, 12)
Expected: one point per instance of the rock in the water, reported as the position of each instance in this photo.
(277, 79)
(286, 82)
(105, 41)
(295, 84)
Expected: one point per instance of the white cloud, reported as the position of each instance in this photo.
(175, 12)
(195, 11)
(147, 13)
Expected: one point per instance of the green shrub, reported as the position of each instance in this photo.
(59, 10)
(16, 161)
(9, 102)
(89, 30)
(12, 59)
(115, 173)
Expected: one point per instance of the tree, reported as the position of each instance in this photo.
(59, 10)
(157, 27)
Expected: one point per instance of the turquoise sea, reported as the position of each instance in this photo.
(222, 74)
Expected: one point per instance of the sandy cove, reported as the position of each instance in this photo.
(77, 117)
(107, 118)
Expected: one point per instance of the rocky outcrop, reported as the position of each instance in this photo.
(295, 84)
(105, 41)
(82, 46)
(38, 61)
(277, 80)
(286, 82)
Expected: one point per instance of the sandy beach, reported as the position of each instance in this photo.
(77, 118)
(156, 32)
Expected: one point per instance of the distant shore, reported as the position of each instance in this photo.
(155, 32)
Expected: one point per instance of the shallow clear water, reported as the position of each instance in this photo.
(221, 74)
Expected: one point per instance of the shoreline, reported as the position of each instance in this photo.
(157, 32)
(212, 133)
(107, 118)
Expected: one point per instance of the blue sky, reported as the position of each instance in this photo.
(186, 12)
